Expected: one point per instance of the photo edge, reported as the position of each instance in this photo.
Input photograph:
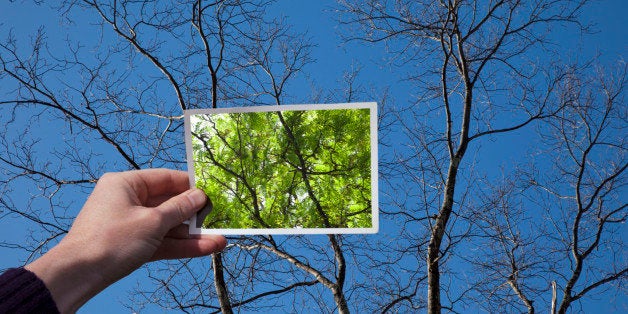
(372, 106)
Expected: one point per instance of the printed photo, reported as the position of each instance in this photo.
(300, 169)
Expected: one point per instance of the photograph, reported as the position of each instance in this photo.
(298, 169)
(388, 156)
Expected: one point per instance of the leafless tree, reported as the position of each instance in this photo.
(480, 69)
(509, 267)
(550, 233)
(177, 56)
(472, 62)
(587, 185)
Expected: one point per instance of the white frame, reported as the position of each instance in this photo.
(372, 106)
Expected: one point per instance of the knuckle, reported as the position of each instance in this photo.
(107, 176)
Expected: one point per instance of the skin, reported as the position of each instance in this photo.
(130, 218)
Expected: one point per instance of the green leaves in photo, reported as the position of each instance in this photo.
(291, 169)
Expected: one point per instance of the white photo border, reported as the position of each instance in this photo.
(372, 106)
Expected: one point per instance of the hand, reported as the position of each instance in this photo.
(129, 219)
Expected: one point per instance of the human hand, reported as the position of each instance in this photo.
(129, 219)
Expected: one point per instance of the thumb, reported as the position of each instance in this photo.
(179, 208)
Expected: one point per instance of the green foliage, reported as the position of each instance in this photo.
(291, 169)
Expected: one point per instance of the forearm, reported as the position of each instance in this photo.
(72, 278)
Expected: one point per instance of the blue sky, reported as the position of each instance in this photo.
(611, 41)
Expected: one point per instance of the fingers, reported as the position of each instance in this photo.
(181, 231)
(185, 248)
(157, 200)
(157, 182)
(179, 208)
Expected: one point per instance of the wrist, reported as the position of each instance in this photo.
(71, 277)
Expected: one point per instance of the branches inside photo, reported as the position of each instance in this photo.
(285, 169)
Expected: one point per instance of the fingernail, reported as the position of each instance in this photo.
(197, 197)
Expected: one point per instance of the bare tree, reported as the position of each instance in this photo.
(183, 55)
(587, 184)
(549, 233)
(480, 69)
(509, 264)
(458, 51)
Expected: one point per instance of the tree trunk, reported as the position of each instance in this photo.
(221, 286)
(341, 302)
(553, 311)
(436, 238)
(338, 289)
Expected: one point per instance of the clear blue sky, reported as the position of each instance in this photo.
(24, 18)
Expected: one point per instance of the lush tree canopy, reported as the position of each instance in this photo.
(290, 169)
